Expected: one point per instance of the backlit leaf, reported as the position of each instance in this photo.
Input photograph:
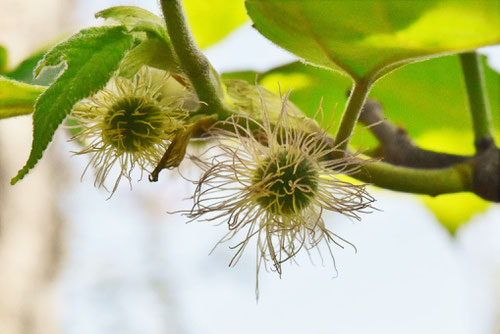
(452, 210)
(3, 59)
(212, 20)
(455, 210)
(153, 52)
(136, 19)
(369, 38)
(17, 98)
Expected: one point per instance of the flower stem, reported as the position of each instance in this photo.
(350, 117)
(478, 100)
(197, 67)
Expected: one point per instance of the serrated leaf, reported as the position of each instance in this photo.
(91, 57)
(24, 71)
(152, 52)
(212, 20)
(3, 60)
(367, 39)
(136, 19)
(17, 98)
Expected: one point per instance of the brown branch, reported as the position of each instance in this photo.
(397, 148)
(487, 173)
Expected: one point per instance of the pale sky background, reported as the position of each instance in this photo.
(135, 270)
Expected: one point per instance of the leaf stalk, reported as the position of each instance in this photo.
(354, 105)
(478, 99)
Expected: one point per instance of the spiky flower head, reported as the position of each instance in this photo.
(273, 183)
(130, 123)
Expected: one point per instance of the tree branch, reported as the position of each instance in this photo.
(486, 165)
(397, 147)
(480, 175)
(408, 168)
(433, 182)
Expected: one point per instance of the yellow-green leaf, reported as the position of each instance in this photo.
(136, 19)
(153, 52)
(3, 59)
(17, 98)
(367, 39)
(213, 20)
(455, 210)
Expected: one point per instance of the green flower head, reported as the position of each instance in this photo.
(273, 182)
(129, 123)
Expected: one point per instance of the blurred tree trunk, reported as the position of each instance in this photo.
(30, 222)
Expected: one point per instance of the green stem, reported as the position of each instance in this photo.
(205, 82)
(478, 100)
(433, 182)
(350, 117)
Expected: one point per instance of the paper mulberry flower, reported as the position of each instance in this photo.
(273, 183)
(130, 123)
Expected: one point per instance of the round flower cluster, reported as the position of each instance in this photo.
(273, 182)
(130, 123)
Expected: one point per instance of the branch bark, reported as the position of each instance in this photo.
(397, 148)
(440, 172)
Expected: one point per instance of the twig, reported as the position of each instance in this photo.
(397, 147)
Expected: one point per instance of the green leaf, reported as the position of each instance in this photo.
(3, 59)
(248, 99)
(153, 52)
(136, 19)
(367, 39)
(212, 20)
(91, 57)
(455, 210)
(421, 97)
(17, 98)
(24, 71)
(248, 76)
(431, 96)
